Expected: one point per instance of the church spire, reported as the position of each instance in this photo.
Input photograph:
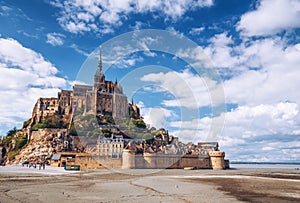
(99, 70)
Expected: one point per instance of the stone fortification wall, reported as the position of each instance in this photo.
(161, 161)
(130, 160)
(97, 162)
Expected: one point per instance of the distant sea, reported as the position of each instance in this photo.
(265, 165)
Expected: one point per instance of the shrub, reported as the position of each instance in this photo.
(20, 142)
(39, 126)
(51, 122)
(12, 155)
(26, 123)
(7, 141)
(139, 123)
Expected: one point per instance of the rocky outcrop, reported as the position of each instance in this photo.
(42, 144)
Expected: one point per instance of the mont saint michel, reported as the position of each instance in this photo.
(124, 101)
(96, 127)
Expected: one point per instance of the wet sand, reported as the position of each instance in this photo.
(56, 185)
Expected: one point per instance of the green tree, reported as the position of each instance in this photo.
(12, 132)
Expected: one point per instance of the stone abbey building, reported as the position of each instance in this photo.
(103, 98)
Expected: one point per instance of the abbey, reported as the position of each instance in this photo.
(104, 98)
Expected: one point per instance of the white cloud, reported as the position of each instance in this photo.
(270, 17)
(261, 128)
(196, 57)
(25, 76)
(157, 117)
(189, 90)
(87, 17)
(196, 30)
(55, 39)
(78, 50)
(79, 16)
(250, 130)
(144, 42)
(220, 51)
(261, 77)
(76, 27)
(194, 130)
(139, 25)
(276, 78)
(129, 61)
(262, 71)
(15, 55)
(175, 32)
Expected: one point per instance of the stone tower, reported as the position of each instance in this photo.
(217, 160)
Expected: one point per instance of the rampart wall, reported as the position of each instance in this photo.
(161, 161)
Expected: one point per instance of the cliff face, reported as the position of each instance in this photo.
(42, 144)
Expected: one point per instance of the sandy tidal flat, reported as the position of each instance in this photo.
(18, 184)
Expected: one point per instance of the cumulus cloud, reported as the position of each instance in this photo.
(194, 130)
(81, 16)
(276, 78)
(15, 55)
(261, 71)
(25, 76)
(264, 86)
(220, 51)
(262, 127)
(189, 90)
(157, 116)
(261, 78)
(55, 39)
(270, 17)
(250, 129)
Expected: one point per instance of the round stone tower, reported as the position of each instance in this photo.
(217, 160)
(128, 159)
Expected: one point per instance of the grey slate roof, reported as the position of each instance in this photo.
(56, 157)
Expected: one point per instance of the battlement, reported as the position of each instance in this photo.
(217, 154)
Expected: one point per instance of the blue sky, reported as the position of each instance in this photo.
(253, 46)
